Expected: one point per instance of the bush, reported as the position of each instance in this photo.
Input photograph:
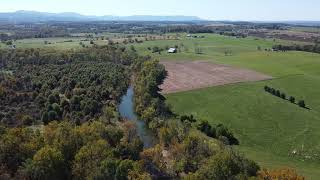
(267, 88)
(206, 128)
(292, 99)
(190, 118)
(273, 91)
(283, 96)
(302, 104)
(278, 93)
(27, 120)
(280, 174)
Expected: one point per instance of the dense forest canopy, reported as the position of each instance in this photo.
(51, 85)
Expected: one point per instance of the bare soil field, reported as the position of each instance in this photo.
(188, 75)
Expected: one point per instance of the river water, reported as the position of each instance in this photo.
(126, 109)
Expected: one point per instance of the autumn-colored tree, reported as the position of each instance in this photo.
(276, 174)
(88, 160)
(47, 163)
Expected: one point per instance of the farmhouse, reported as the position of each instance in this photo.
(172, 50)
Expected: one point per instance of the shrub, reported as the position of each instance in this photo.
(267, 88)
(206, 128)
(302, 104)
(27, 120)
(273, 91)
(280, 174)
(278, 93)
(283, 95)
(292, 99)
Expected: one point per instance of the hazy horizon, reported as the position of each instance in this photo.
(245, 10)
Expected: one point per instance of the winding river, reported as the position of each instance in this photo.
(126, 109)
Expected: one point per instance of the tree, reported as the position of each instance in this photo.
(108, 169)
(27, 120)
(222, 131)
(206, 128)
(123, 169)
(259, 48)
(155, 49)
(89, 159)
(292, 99)
(227, 165)
(302, 104)
(52, 115)
(17, 145)
(47, 163)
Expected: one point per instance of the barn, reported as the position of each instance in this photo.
(172, 50)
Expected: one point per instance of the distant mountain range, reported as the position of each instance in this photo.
(34, 16)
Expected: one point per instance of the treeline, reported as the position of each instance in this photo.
(307, 48)
(219, 131)
(149, 103)
(282, 95)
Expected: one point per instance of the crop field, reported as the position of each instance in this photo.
(272, 131)
(188, 75)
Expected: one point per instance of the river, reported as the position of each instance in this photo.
(126, 109)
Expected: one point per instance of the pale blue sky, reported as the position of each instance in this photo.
(210, 9)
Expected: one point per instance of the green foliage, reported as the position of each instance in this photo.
(53, 85)
(292, 99)
(222, 131)
(16, 146)
(190, 118)
(47, 163)
(87, 163)
(90, 151)
(206, 128)
(123, 169)
(302, 104)
(227, 165)
(149, 103)
(194, 151)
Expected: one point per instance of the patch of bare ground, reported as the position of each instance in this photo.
(189, 75)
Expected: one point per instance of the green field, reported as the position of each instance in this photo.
(269, 128)
(65, 42)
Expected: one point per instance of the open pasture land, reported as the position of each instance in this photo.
(183, 76)
(271, 131)
(212, 46)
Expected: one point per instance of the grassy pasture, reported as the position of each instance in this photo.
(265, 125)
(270, 129)
(213, 47)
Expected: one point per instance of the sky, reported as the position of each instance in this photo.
(249, 10)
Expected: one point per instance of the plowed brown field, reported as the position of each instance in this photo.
(188, 75)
